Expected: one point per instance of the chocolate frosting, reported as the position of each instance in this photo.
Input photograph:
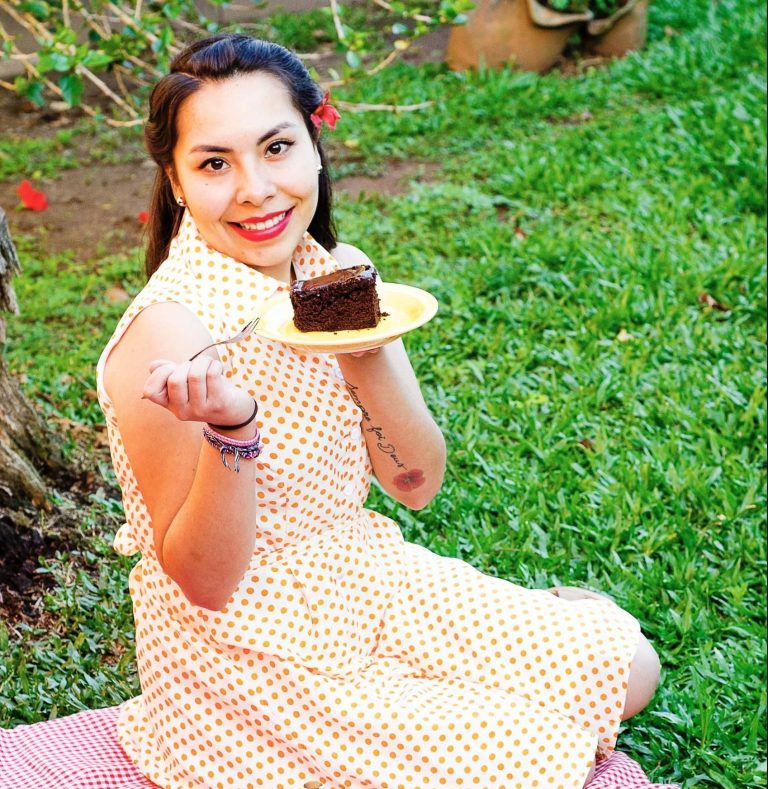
(342, 275)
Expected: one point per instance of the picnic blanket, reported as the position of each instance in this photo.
(81, 751)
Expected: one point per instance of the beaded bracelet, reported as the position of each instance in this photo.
(248, 449)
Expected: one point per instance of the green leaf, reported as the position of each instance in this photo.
(171, 10)
(164, 40)
(54, 60)
(30, 89)
(66, 36)
(353, 59)
(39, 9)
(166, 35)
(72, 88)
(95, 60)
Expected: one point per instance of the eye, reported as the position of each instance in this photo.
(216, 165)
(278, 147)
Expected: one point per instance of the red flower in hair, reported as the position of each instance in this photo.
(143, 217)
(325, 113)
(30, 197)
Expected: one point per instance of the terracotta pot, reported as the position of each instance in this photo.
(623, 32)
(500, 32)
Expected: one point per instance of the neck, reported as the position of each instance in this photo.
(283, 273)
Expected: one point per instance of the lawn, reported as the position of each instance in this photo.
(597, 245)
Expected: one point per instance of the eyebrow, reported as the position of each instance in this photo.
(264, 137)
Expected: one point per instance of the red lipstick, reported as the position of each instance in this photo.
(266, 233)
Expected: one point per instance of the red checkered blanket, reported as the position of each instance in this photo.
(82, 752)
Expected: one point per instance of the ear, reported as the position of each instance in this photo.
(171, 175)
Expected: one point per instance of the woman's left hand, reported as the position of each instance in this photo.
(358, 354)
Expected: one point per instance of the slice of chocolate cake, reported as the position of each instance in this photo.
(344, 299)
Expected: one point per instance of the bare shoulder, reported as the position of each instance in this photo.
(167, 330)
(349, 255)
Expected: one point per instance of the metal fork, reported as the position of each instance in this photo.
(241, 335)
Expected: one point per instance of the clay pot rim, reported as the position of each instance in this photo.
(598, 26)
(543, 16)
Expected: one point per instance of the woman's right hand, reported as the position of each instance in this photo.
(197, 391)
(202, 514)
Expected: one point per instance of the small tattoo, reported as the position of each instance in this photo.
(410, 480)
(352, 389)
(383, 444)
(387, 449)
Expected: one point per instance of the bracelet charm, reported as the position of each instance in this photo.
(248, 450)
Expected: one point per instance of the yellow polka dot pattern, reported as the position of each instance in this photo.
(346, 658)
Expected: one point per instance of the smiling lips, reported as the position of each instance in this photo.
(264, 227)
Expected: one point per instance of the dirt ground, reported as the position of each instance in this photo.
(94, 210)
(22, 587)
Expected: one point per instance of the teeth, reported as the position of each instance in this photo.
(264, 225)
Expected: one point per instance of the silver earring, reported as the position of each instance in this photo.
(319, 168)
(180, 201)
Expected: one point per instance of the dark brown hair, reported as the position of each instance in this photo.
(210, 60)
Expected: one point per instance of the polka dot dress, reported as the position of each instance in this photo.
(346, 657)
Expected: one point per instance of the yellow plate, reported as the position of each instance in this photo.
(407, 308)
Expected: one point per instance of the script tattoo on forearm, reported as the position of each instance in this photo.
(408, 479)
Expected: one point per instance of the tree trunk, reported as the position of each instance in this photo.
(30, 453)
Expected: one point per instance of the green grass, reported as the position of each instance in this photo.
(35, 158)
(86, 142)
(66, 318)
(605, 427)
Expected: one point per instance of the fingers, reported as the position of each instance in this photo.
(197, 380)
(576, 593)
(156, 363)
(356, 354)
(215, 379)
(195, 391)
(167, 384)
(178, 394)
(187, 386)
(156, 385)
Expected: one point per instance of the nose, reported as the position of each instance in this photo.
(255, 185)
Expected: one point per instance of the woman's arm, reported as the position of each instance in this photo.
(406, 447)
(203, 514)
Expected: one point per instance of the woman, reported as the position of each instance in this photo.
(286, 636)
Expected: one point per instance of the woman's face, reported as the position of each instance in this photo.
(247, 169)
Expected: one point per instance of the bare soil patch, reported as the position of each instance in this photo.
(397, 179)
(22, 586)
(91, 211)
(94, 210)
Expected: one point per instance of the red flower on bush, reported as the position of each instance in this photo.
(30, 197)
(143, 217)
